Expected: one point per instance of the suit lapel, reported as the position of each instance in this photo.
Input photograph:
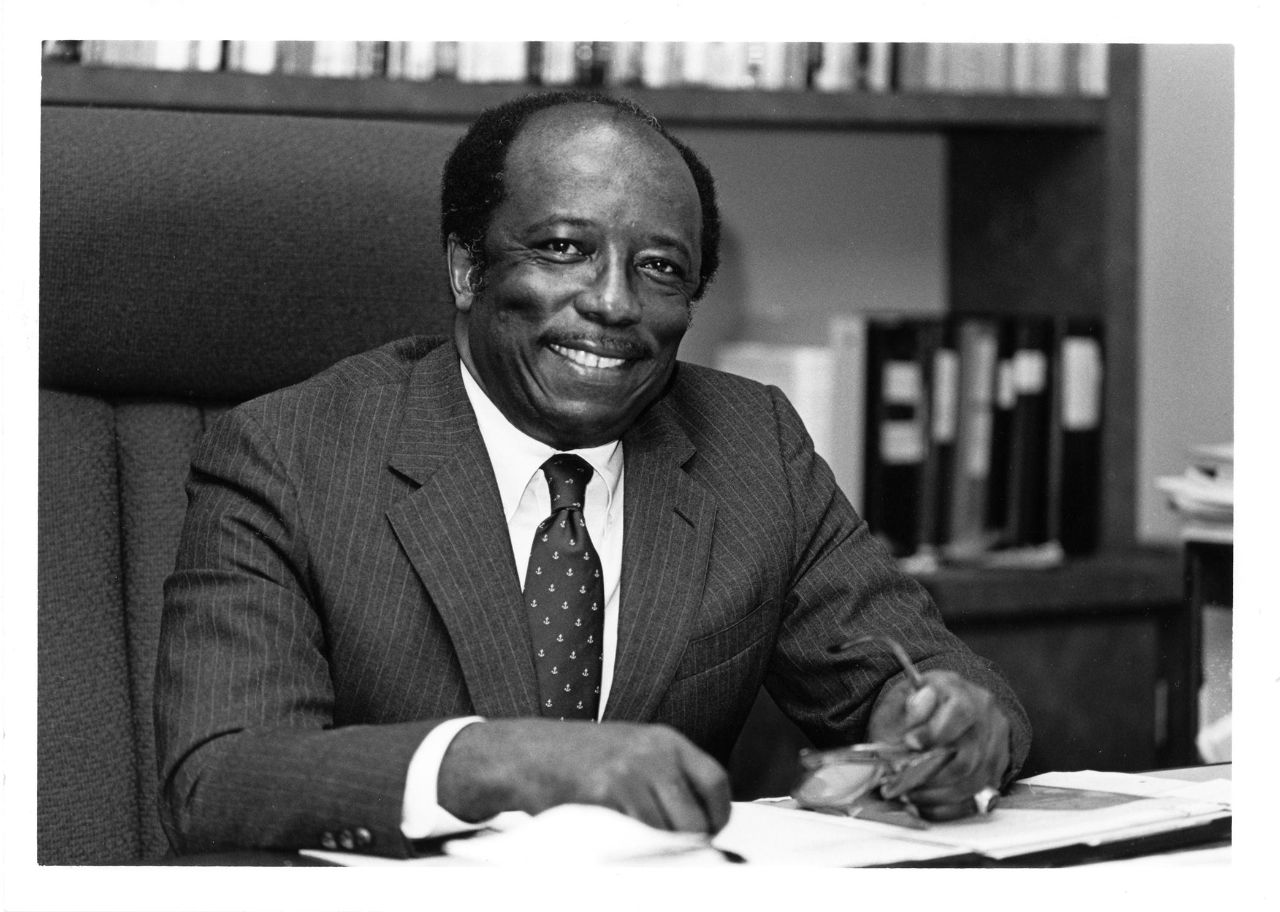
(667, 531)
(452, 529)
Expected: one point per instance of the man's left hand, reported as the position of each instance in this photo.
(948, 711)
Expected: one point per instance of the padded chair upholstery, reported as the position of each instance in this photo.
(187, 261)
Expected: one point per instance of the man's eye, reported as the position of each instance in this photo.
(562, 247)
(664, 267)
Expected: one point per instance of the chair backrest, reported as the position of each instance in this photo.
(187, 261)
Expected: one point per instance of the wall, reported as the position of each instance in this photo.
(818, 222)
(1186, 310)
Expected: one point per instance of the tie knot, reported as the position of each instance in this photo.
(567, 477)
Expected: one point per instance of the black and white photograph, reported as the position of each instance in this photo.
(703, 468)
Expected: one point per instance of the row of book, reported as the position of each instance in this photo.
(878, 67)
(967, 440)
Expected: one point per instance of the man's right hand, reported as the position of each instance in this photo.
(649, 772)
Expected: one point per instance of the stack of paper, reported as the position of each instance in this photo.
(1204, 495)
(1044, 812)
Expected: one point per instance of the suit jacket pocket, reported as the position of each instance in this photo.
(713, 649)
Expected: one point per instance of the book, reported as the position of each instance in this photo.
(938, 377)
(693, 63)
(335, 59)
(63, 51)
(847, 335)
(911, 66)
(1077, 502)
(968, 535)
(836, 70)
(1003, 403)
(826, 384)
(1048, 68)
(198, 56)
(201, 56)
(1031, 432)
(727, 65)
(895, 439)
(493, 61)
(804, 373)
(411, 60)
(447, 59)
(252, 56)
(878, 69)
(661, 64)
(625, 63)
(777, 65)
(552, 63)
(591, 62)
(1092, 62)
(944, 424)
(295, 58)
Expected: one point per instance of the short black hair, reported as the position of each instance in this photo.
(472, 185)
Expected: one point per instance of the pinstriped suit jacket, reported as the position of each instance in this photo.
(345, 581)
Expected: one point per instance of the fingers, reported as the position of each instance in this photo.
(920, 708)
(941, 712)
(649, 772)
(980, 760)
(948, 711)
(710, 786)
(695, 798)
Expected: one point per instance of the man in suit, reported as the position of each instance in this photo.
(363, 643)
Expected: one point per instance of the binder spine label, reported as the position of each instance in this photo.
(902, 442)
(1030, 371)
(902, 384)
(902, 433)
(946, 388)
(981, 393)
(1082, 383)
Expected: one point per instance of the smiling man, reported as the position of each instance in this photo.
(542, 562)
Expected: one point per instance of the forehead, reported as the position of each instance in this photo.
(590, 152)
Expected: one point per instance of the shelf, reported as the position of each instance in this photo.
(1136, 580)
(447, 100)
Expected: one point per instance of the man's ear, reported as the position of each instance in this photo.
(461, 264)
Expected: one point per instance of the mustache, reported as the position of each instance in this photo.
(601, 343)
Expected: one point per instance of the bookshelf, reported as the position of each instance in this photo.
(1041, 217)
(1041, 220)
(450, 100)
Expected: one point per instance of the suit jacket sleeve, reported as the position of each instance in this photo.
(249, 754)
(846, 585)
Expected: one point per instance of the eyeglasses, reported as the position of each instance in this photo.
(837, 780)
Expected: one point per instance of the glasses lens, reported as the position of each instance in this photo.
(837, 784)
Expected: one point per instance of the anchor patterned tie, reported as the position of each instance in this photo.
(564, 596)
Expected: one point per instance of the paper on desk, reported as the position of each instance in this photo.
(1017, 831)
(586, 833)
(764, 833)
(1211, 790)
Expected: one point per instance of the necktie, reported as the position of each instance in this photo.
(564, 595)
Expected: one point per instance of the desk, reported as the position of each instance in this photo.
(1217, 836)
(1208, 569)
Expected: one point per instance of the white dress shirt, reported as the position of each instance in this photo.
(526, 501)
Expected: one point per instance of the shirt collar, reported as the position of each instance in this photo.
(517, 457)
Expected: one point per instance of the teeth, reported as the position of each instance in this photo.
(587, 359)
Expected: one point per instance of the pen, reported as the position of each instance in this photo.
(913, 673)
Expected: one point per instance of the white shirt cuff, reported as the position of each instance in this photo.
(422, 817)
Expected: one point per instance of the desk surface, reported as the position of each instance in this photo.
(1204, 773)
(1217, 840)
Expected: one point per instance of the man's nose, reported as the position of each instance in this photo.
(611, 296)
